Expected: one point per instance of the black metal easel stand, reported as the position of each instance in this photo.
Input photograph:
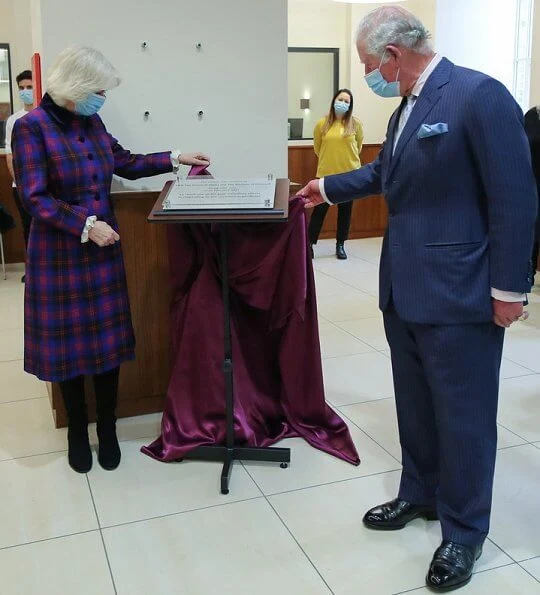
(230, 453)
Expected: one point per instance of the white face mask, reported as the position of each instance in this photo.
(27, 96)
(380, 86)
(341, 107)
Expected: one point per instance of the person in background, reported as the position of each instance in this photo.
(26, 94)
(453, 276)
(532, 128)
(337, 141)
(77, 317)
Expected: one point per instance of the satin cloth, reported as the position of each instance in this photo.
(278, 384)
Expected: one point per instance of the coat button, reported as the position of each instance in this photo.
(96, 196)
(94, 177)
(90, 156)
(81, 139)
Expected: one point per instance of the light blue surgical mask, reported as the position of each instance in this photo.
(91, 105)
(379, 85)
(27, 96)
(341, 107)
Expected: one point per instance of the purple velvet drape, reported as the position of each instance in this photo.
(278, 385)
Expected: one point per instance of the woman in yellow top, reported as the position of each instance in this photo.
(337, 141)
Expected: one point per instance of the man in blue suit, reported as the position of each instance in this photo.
(456, 173)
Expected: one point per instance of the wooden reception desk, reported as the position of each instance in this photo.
(14, 239)
(369, 216)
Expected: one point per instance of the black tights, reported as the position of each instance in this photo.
(105, 385)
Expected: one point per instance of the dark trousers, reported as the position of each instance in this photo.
(446, 381)
(343, 222)
(25, 216)
(534, 260)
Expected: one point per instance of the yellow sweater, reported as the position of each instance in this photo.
(336, 153)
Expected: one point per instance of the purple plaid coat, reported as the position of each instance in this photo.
(76, 308)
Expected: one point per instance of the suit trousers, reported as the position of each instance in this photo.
(534, 258)
(343, 222)
(446, 380)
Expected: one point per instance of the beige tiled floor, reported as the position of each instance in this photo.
(155, 529)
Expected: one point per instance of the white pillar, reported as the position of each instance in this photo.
(479, 34)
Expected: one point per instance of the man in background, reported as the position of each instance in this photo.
(532, 128)
(26, 94)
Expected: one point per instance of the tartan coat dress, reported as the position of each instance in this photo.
(76, 309)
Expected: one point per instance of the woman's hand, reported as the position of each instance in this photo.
(194, 159)
(103, 234)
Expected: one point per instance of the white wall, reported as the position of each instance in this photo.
(15, 30)
(373, 111)
(323, 24)
(535, 71)
(238, 78)
(479, 35)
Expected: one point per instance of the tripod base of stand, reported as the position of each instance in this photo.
(240, 453)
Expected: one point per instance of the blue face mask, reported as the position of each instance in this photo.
(27, 96)
(379, 85)
(341, 107)
(90, 106)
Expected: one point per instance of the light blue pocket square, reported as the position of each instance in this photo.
(427, 130)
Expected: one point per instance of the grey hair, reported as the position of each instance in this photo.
(393, 25)
(79, 71)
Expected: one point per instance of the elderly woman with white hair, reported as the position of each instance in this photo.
(77, 315)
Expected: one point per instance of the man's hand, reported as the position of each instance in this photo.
(506, 313)
(9, 161)
(194, 159)
(311, 195)
(103, 234)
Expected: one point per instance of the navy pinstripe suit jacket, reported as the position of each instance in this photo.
(462, 204)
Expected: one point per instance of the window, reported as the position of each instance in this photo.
(313, 79)
(522, 61)
(6, 96)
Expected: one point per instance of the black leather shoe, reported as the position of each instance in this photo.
(340, 251)
(452, 566)
(396, 514)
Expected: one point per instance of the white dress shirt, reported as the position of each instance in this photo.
(9, 131)
(411, 99)
(505, 296)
